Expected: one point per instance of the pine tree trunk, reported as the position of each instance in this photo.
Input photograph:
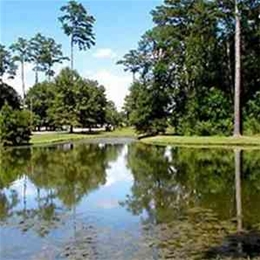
(71, 54)
(23, 83)
(237, 105)
(229, 67)
(134, 80)
(36, 75)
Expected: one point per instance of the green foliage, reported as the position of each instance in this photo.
(112, 116)
(91, 103)
(252, 115)
(210, 115)
(9, 95)
(44, 53)
(63, 111)
(36, 53)
(146, 109)
(78, 24)
(39, 99)
(7, 65)
(51, 54)
(187, 61)
(14, 126)
(21, 50)
(72, 100)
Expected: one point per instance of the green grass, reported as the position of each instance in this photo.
(45, 138)
(203, 141)
(213, 141)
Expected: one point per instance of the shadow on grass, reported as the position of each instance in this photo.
(238, 245)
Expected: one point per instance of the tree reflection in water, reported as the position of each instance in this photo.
(61, 174)
(192, 202)
(243, 243)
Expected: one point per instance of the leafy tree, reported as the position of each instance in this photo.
(252, 115)
(112, 117)
(77, 101)
(40, 99)
(22, 55)
(7, 65)
(63, 111)
(9, 95)
(131, 62)
(188, 60)
(36, 54)
(51, 54)
(146, 108)
(78, 25)
(90, 103)
(14, 126)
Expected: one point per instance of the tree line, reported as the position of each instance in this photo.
(68, 99)
(185, 74)
(71, 100)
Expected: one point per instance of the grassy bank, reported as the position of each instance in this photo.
(45, 138)
(203, 141)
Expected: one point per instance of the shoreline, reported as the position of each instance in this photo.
(55, 138)
(160, 140)
(204, 141)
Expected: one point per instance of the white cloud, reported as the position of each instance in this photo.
(116, 85)
(105, 53)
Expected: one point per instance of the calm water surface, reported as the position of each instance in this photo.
(126, 200)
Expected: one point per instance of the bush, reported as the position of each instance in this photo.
(252, 115)
(252, 126)
(211, 114)
(14, 126)
(9, 95)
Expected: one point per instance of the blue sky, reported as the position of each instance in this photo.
(119, 26)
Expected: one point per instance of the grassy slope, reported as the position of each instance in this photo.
(203, 141)
(62, 137)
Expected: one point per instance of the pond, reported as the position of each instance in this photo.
(120, 199)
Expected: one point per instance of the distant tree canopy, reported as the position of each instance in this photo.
(184, 69)
(71, 100)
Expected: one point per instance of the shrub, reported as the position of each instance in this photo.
(14, 126)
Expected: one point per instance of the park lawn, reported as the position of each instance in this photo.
(45, 138)
(203, 140)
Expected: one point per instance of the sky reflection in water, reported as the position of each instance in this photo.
(129, 201)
